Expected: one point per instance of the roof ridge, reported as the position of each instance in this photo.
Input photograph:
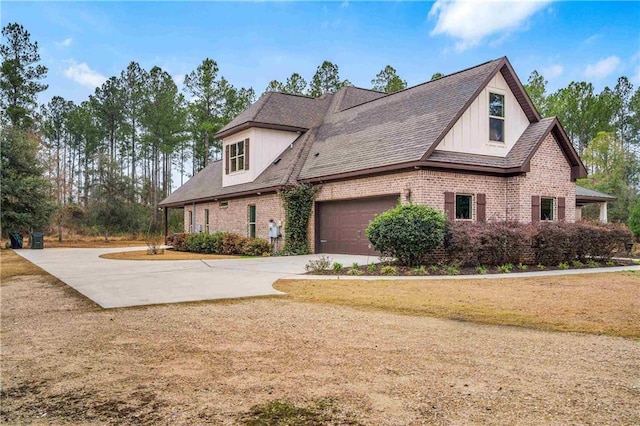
(264, 102)
(293, 94)
(388, 95)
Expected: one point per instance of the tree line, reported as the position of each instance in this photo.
(105, 163)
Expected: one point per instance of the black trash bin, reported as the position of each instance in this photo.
(16, 240)
(36, 240)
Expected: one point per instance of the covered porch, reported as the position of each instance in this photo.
(586, 196)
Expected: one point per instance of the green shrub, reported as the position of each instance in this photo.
(420, 270)
(371, 267)
(593, 264)
(563, 265)
(434, 268)
(482, 270)
(205, 243)
(522, 267)
(323, 263)
(577, 264)
(634, 220)
(541, 266)
(407, 233)
(506, 268)
(255, 247)
(354, 271)
(389, 270)
(337, 266)
(452, 269)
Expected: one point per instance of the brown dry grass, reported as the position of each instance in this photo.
(167, 255)
(92, 242)
(12, 265)
(591, 303)
(67, 361)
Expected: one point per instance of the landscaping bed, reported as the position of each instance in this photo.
(390, 269)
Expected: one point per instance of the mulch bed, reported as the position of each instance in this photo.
(444, 269)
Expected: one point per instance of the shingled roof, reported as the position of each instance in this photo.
(358, 132)
(279, 111)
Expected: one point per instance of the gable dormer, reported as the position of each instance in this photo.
(248, 153)
(492, 123)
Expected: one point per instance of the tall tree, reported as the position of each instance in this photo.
(25, 204)
(109, 105)
(611, 170)
(582, 112)
(295, 85)
(20, 76)
(55, 116)
(326, 80)
(86, 135)
(164, 120)
(388, 81)
(203, 86)
(536, 88)
(132, 82)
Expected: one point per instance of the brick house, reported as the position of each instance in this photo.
(470, 144)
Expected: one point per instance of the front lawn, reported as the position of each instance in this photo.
(607, 303)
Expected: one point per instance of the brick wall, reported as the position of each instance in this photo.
(550, 176)
(235, 217)
(506, 198)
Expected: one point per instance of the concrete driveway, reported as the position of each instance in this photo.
(122, 283)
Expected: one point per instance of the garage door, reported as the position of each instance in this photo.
(341, 225)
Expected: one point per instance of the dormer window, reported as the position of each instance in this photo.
(496, 117)
(237, 157)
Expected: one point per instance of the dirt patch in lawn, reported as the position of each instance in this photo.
(280, 361)
(591, 303)
(165, 255)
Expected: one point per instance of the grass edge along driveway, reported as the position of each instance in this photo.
(607, 303)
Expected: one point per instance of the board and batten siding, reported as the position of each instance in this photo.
(265, 147)
(470, 134)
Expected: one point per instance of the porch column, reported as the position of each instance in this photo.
(603, 212)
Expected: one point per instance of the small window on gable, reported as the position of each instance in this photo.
(463, 206)
(236, 156)
(496, 117)
(546, 208)
(223, 204)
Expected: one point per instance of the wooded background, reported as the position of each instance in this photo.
(102, 166)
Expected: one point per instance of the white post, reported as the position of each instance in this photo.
(603, 212)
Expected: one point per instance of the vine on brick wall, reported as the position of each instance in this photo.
(298, 203)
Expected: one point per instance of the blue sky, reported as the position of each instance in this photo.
(82, 43)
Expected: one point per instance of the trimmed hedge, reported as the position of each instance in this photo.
(407, 233)
(499, 243)
(219, 243)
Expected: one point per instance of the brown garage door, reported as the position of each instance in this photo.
(341, 225)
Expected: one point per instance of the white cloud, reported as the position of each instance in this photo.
(552, 71)
(82, 74)
(471, 21)
(602, 68)
(64, 43)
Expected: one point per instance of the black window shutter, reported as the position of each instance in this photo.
(450, 205)
(481, 207)
(535, 208)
